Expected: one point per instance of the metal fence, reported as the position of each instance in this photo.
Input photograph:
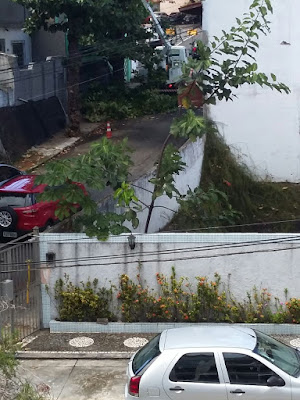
(20, 309)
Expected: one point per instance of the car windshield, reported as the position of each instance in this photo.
(14, 200)
(284, 357)
(146, 354)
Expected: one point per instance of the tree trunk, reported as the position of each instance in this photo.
(73, 79)
(151, 207)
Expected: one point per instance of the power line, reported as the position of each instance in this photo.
(88, 52)
(31, 76)
(74, 85)
(240, 225)
(211, 247)
(84, 52)
(156, 260)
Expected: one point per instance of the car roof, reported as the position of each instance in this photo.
(21, 184)
(208, 336)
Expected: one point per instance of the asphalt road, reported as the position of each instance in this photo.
(77, 379)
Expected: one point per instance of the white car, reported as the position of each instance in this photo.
(214, 363)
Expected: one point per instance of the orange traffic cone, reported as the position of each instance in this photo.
(108, 131)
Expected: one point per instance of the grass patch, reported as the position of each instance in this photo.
(255, 200)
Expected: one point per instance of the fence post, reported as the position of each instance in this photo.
(36, 260)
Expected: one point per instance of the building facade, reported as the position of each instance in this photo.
(12, 38)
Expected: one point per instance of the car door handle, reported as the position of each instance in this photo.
(237, 391)
(176, 389)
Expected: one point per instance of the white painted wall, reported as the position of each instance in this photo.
(270, 260)
(262, 125)
(12, 35)
(192, 154)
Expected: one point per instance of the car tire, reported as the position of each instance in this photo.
(8, 218)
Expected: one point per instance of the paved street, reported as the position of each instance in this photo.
(183, 38)
(78, 379)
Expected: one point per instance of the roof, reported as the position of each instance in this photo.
(192, 8)
(21, 184)
(209, 336)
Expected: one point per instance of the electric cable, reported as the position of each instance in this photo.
(205, 247)
(158, 260)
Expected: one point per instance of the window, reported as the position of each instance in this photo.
(18, 50)
(15, 200)
(195, 367)
(146, 354)
(2, 45)
(279, 354)
(245, 370)
(7, 172)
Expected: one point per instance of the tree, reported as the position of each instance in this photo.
(112, 27)
(226, 64)
(105, 167)
(219, 68)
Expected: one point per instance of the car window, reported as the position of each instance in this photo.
(195, 367)
(15, 200)
(146, 354)
(246, 370)
(279, 354)
(7, 172)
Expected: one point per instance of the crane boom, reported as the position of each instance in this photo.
(158, 27)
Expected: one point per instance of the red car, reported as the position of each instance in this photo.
(20, 211)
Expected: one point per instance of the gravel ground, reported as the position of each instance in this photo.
(285, 338)
(45, 341)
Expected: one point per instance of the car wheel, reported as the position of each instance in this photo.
(8, 218)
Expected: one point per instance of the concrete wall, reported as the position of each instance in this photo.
(16, 35)
(192, 154)
(263, 125)
(36, 82)
(242, 260)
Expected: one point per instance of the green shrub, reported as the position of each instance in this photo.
(255, 200)
(12, 386)
(206, 208)
(86, 302)
(176, 300)
(120, 102)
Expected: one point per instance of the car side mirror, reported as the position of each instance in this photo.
(275, 380)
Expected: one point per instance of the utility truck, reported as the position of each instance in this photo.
(172, 57)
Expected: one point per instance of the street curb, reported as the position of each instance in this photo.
(60, 355)
(47, 159)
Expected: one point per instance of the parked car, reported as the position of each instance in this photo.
(20, 209)
(214, 363)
